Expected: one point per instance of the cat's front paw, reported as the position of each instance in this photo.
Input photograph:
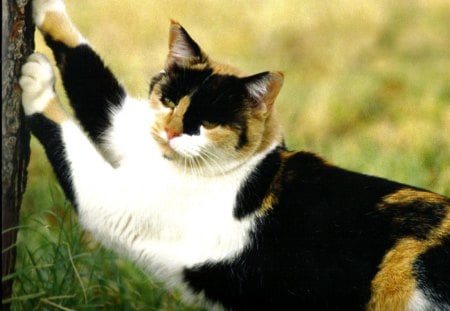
(42, 7)
(37, 83)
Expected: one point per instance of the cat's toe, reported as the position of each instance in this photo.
(37, 74)
(39, 68)
(37, 80)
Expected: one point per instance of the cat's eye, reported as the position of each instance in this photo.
(168, 103)
(209, 125)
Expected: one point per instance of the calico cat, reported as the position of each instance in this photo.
(197, 187)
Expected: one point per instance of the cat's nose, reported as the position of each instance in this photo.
(171, 133)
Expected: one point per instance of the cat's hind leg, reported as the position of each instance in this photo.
(92, 89)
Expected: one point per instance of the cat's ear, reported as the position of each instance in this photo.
(263, 89)
(183, 50)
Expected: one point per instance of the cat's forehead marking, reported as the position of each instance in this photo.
(183, 105)
(175, 120)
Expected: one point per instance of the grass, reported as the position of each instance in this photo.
(60, 267)
(367, 87)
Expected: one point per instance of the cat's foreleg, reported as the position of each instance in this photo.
(76, 162)
(93, 90)
(87, 179)
(93, 186)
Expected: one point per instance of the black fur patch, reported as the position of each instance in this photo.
(220, 99)
(217, 99)
(256, 187)
(318, 248)
(179, 82)
(49, 134)
(92, 89)
(432, 270)
(415, 219)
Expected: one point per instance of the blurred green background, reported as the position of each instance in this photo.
(367, 86)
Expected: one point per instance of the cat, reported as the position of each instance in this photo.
(197, 187)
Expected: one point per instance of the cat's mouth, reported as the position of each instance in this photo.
(189, 153)
(167, 151)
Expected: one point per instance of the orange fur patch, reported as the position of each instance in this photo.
(394, 284)
(271, 198)
(175, 120)
(408, 196)
(54, 111)
(60, 28)
(223, 136)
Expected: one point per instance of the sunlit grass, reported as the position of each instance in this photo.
(61, 268)
(367, 86)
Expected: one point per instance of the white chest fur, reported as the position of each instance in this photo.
(164, 219)
(196, 212)
(167, 222)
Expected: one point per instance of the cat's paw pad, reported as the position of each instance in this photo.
(42, 7)
(37, 81)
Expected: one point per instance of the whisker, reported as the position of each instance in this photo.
(214, 159)
(199, 167)
(205, 159)
(185, 168)
(194, 166)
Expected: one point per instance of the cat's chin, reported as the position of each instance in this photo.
(171, 154)
(185, 163)
(167, 157)
(168, 153)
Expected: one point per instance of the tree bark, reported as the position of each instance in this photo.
(17, 45)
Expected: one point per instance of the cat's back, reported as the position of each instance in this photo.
(336, 238)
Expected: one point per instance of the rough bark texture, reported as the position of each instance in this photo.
(17, 44)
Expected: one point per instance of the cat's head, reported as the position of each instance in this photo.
(211, 117)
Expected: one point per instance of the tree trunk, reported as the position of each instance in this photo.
(17, 44)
